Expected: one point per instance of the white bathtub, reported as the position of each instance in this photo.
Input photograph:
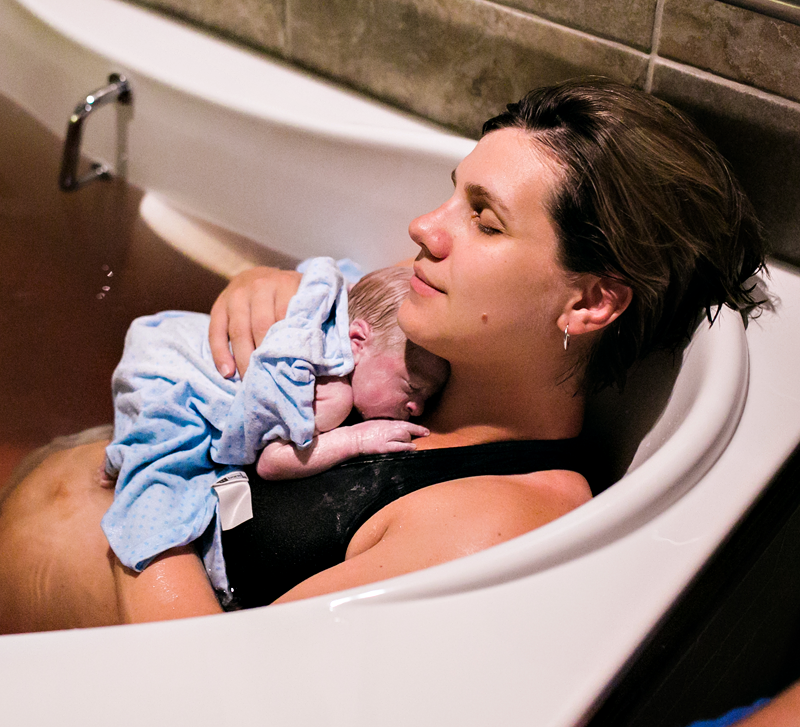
(529, 632)
(218, 132)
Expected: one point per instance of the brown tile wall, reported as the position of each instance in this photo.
(457, 62)
(629, 22)
(258, 23)
(735, 43)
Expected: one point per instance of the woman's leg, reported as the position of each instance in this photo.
(55, 569)
(31, 461)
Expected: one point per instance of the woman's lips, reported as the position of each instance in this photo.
(421, 285)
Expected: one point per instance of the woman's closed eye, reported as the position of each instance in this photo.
(483, 203)
(486, 222)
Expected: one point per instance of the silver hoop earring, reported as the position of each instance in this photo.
(566, 337)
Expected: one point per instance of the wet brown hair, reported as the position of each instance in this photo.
(644, 198)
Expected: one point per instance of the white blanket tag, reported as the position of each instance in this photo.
(235, 502)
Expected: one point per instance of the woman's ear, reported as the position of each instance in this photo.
(596, 303)
(360, 337)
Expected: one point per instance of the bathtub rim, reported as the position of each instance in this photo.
(109, 28)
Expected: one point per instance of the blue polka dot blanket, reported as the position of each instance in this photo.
(179, 425)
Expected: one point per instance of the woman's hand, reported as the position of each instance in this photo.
(243, 313)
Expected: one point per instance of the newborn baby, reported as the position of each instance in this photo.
(391, 380)
(178, 422)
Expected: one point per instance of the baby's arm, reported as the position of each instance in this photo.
(283, 461)
(333, 400)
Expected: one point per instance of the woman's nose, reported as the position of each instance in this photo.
(430, 232)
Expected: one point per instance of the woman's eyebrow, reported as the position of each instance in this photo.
(479, 193)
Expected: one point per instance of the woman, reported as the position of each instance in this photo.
(590, 225)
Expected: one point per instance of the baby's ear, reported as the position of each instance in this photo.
(360, 337)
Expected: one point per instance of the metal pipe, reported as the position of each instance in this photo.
(118, 90)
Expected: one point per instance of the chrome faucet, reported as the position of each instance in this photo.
(118, 89)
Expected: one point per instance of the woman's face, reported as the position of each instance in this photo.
(487, 284)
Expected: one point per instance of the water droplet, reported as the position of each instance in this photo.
(106, 288)
(105, 267)
(100, 296)
(110, 274)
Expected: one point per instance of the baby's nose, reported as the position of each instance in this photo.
(415, 408)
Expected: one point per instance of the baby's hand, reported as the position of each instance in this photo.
(380, 436)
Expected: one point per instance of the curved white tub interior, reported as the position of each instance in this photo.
(259, 149)
(307, 169)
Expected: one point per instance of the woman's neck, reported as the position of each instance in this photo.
(477, 406)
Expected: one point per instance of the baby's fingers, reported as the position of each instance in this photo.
(399, 431)
(398, 446)
(414, 430)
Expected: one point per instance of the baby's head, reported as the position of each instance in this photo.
(393, 377)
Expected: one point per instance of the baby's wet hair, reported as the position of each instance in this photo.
(376, 298)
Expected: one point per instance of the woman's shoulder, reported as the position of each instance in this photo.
(529, 499)
(458, 517)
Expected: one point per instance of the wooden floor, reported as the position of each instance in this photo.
(75, 269)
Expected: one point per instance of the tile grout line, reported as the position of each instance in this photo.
(288, 50)
(738, 86)
(651, 64)
(556, 25)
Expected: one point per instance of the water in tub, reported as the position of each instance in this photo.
(76, 269)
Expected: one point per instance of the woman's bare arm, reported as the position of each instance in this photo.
(173, 586)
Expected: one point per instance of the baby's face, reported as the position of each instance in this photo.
(395, 383)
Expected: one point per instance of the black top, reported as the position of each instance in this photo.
(301, 527)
